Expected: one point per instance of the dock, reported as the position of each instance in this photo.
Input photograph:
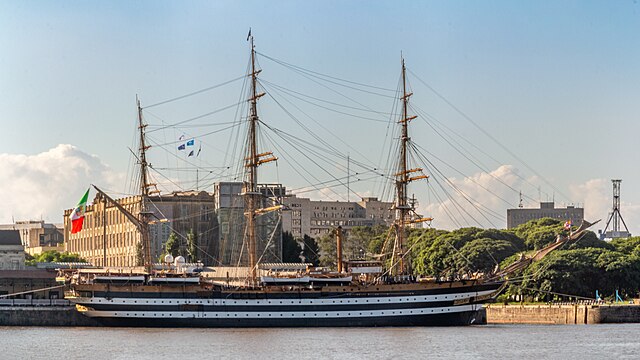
(41, 312)
(563, 314)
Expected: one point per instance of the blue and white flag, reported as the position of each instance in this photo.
(191, 142)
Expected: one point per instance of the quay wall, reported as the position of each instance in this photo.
(43, 316)
(492, 314)
(562, 314)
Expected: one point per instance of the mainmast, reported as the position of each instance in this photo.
(144, 193)
(403, 177)
(252, 161)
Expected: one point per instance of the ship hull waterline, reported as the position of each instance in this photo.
(456, 307)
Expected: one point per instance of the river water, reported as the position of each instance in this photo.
(470, 342)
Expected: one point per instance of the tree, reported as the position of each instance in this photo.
(172, 246)
(291, 250)
(627, 245)
(464, 251)
(420, 242)
(355, 244)
(310, 250)
(539, 233)
(583, 271)
(483, 255)
(590, 240)
(192, 248)
(54, 256)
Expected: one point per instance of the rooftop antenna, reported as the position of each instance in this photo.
(520, 203)
(615, 218)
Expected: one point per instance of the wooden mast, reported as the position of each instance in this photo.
(339, 248)
(252, 160)
(144, 193)
(402, 179)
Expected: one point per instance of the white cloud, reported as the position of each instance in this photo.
(41, 186)
(481, 200)
(489, 190)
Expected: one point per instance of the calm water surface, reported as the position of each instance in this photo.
(477, 342)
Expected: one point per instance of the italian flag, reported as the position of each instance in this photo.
(77, 215)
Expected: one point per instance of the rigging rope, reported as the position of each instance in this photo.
(486, 133)
(193, 93)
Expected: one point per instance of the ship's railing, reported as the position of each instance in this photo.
(34, 302)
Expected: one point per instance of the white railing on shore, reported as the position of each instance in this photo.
(34, 302)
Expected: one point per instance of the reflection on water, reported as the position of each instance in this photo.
(472, 342)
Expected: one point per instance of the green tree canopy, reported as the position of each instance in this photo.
(192, 247)
(54, 256)
(463, 251)
(357, 243)
(539, 233)
(583, 271)
(310, 250)
(291, 250)
(172, 245)
(484, 254)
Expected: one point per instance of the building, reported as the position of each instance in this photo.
(11, 250)
(23, 284)
(229, 209)
(316, 218)
(108, 238)
(520, 216)
(37, 236)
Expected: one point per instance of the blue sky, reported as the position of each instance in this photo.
(558, 83)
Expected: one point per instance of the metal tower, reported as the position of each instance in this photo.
(615, 217)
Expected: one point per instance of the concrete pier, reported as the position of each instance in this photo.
(562, 314)
(43, 316)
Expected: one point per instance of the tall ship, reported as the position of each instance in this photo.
(381, 292)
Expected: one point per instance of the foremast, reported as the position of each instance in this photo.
(399, 266)
(251, 162)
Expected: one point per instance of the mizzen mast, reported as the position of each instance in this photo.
(144, 193)
(252, 160)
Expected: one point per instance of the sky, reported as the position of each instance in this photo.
(546, 92)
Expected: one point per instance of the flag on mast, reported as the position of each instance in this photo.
(77, 215)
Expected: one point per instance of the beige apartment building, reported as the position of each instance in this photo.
(106, 227)
(316, 217)
(37, 236)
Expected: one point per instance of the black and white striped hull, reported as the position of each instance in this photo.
(401, 308)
